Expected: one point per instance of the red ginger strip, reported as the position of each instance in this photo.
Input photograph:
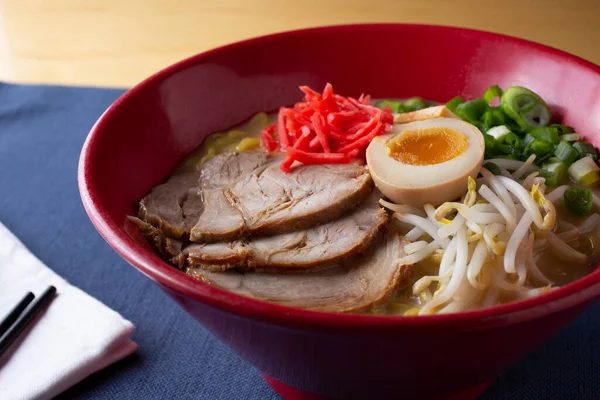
(266, 136)
(312, 128)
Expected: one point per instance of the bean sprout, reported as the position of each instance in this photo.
(487, 246)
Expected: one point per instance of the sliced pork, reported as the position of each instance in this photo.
(270, 201)
(312, 248)
(166, 246)
(174, 206)
(353, 285)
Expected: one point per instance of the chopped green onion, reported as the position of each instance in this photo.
(479, 125)
(566, 153)
(471, 111)
(394, 105)
(494, 116)
(498, 131)
(493, 168)
(513, 141)
(547, 134)
(562, 129)
(552, 179)
(540, 148)
(586, 149)
(490, 144)
(491, 93)
(514, 127)
(452, 104)
(528, 109)
(584, 171)
(502, 149)
(553, 160)
(528, 139)
(414, 104)
(579, 201)
(554, 171)
(570, 137)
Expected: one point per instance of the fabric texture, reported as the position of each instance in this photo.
(42, 130)
(74, 337)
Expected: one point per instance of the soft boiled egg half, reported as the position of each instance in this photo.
(426, 161)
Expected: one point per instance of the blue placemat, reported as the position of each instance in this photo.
(42, 129)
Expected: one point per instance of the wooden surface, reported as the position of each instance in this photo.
(118, 43)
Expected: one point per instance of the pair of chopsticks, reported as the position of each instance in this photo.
(17, 320)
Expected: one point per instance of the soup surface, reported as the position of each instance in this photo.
(473, 205)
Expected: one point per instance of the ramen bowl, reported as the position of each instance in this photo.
(307, 354)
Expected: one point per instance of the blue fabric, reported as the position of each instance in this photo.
(42, 129)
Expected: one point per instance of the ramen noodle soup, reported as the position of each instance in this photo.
(394, 207)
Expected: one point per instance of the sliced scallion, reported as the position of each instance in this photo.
(414, 104)
(490, 144)
(513, 141)
(554, 171)
(566, 153)
(528, 139)
(584, 171)
(494, 116)
(579, 201)
(452, 104)
(546, 134)
(563, 129)
(396, 106)
(528, 109)
(491, 93)
(586, 149)
(540, 148)
(498, 131)
(471, 111)
(570, 137)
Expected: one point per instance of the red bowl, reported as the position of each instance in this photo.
(145, 133)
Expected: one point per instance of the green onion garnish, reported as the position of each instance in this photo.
(452, 104)
(491, 93)
(554, 171)
(528, 109)
(394, 105)
(494, 116)
(490, 144)
(566, 153)
(513, 141)
(579, 201)
(498, 131)
(540, 148)
(586, 149)
(584, 171)
(562, 129)
(471, 111)
(546, 134)
(570, 137)
(528, 139)
(414, 104)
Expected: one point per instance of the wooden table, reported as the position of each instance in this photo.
(118, 43)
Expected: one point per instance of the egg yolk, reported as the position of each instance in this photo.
(427, 146)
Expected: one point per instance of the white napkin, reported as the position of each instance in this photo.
(75, 337)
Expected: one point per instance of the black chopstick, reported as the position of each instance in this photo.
(14, 314)
(18, 327)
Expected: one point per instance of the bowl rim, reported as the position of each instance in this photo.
(572, 294)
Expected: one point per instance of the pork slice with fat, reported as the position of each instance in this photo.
(354, 285)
